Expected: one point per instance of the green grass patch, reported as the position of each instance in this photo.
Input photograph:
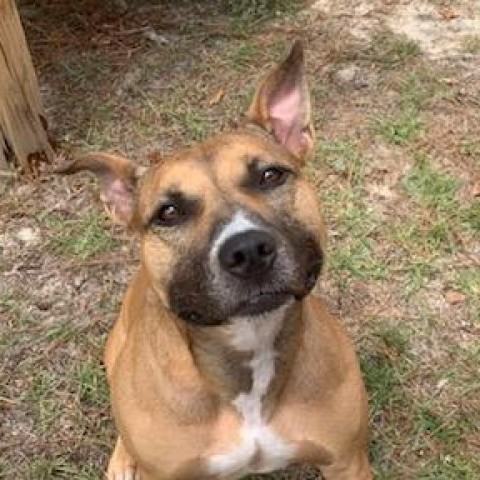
(41, 395)
(383, 364)
(469, 216)
(7, 302)
(401, 128)
(418, 273)
(437, 426)
(450, 467)
(389, 51)
(418, 88)
(424, 238)
(468, 282)
(81, 71)
(343, 158)
(471, 44)
(418, 246)
(61, 332)
(354, 225)
(15, 307)
(357, 259)
(58, 468)
(241, 58)
(470, 148)
(3, 468)
(395, 337)
(90, 384)
(429, 186)
(351, 216)
(382, 381)
(246, 14)
(81, 237)
(193, 124)
(190, 122)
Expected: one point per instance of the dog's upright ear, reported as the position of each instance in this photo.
(118, 178)
(281, 105)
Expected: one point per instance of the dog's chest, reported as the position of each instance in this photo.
(260, 449)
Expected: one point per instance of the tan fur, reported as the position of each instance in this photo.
(172, 383)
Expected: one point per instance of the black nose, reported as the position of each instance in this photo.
(248, 253)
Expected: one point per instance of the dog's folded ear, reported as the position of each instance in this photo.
(281, 105)
(118, 178)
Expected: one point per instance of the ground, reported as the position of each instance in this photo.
(396, 90)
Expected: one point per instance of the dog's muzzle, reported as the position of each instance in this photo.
(248, 273)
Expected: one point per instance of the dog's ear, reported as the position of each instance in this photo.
(281, 105)
(118, 179)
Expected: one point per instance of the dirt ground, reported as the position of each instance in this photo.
(396, 90)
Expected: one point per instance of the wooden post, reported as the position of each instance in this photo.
(23, 137)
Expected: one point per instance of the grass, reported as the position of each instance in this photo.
(81, 237)
(241, 57)
(470, 148)
(448, 468)
(389, 51)
(344, 158)
(469, 216)
(357, 259)
(58, 468)
(247, 14)
(468, 282)
(471, 44)
(388, 364)
(425, 240)
(192, 124)
(354, 222)
(430, 187)
(399, 129)
(90, 384)
(429, 231)
(7, 301)
(419, 89)
(42, 396)
(355, 243)
(381, 379)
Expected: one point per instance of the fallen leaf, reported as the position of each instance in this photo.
(155, 157)
(217, 97)
(453, 297)
(450, 81)
(476, 189)
(448, 13)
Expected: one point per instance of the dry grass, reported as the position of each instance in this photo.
(397, 169)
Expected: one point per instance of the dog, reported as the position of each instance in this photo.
(222, 363)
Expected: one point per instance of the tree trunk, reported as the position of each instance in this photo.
(23, 137)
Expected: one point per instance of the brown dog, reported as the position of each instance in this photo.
(221, 362)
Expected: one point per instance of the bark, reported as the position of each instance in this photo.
(23, 138)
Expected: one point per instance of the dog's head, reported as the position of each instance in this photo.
(228, 227)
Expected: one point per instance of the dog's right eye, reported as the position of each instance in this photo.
(174, 209)
(167, 215)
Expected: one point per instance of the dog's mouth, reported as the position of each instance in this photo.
(262, 302)
(266, 300)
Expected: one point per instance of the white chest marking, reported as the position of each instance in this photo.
(261, 450)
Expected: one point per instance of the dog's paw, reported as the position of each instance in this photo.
(128, 473)
(121, 465)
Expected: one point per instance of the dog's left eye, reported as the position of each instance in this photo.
(273, 177)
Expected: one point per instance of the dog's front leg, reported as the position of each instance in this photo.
(121, 465)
